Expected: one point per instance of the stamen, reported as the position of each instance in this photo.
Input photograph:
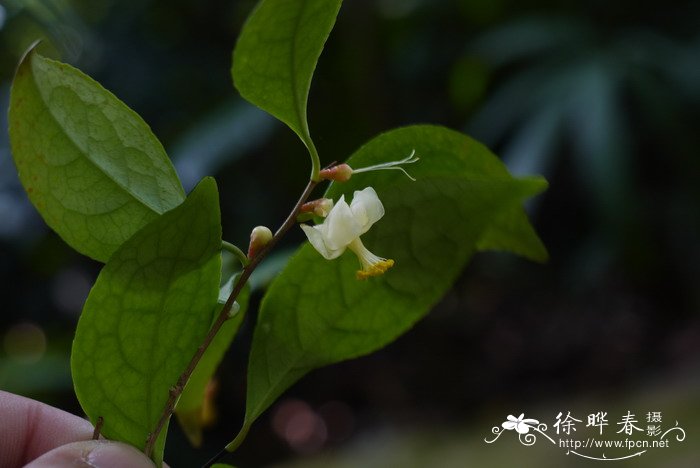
(392, 165)
(377, 269)
(372, 265)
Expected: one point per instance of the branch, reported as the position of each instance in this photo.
(98, 428)
(177, 390)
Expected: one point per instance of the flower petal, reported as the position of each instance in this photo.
(316, 238)
(340, 227)
(366, 208)
(522, 428)
(509, 425)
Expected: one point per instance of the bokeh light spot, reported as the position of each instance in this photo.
(300, 426)
(339, 419)
(25, 342)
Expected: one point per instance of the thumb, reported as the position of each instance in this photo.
(93, 453)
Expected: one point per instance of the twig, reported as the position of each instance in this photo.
(98, 427)
(177, 389)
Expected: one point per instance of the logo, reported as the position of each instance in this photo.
(598, 439)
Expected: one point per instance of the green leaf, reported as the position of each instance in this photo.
(195, 406)
(90, 165)
(276, 54)
(316, 313)
(147, 313)
(511, 231)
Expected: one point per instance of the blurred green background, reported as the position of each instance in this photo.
(603, 98)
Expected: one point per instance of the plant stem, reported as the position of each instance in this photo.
(315, 160)
(230, 447)
(98, 428)
(238, 253)
(216, 458)
(177, 390)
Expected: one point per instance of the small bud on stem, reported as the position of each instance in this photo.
(343, 172)
(339, 173)
(320, 207)
(235, 308)
(259, 238)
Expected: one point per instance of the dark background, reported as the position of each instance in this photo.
(603, 98)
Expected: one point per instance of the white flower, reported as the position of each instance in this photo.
(343, 227)
(521, 426)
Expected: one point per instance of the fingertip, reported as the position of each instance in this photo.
(93, 453)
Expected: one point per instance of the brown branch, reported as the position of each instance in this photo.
(177, 389)
(98, 427)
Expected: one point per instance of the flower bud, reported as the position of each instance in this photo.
(259, 238)
(339, 173)
(235, 308)
(320, 207)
